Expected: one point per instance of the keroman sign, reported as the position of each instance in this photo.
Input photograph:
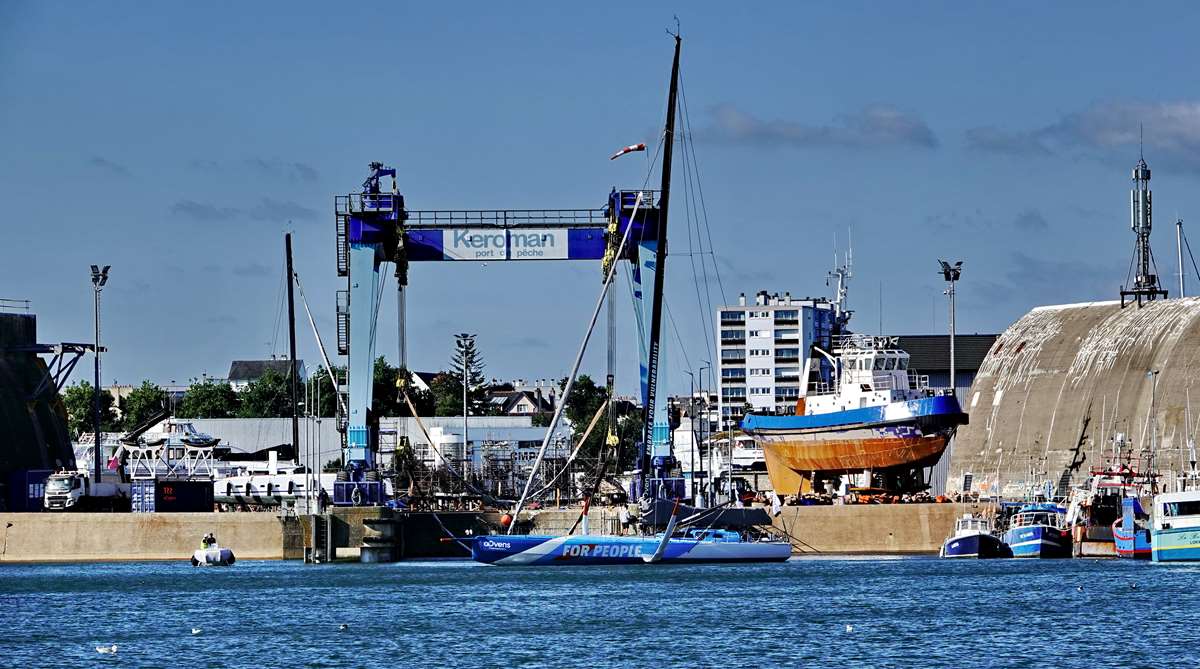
(485, 244)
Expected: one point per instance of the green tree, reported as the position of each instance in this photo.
(142, 404)
(78, 399)
(208, 399)
(385, 395)
(325, 402)
(582, 403)
(467, 356)
(268, 396)
(446, 389)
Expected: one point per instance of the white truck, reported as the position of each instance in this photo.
(75, 491)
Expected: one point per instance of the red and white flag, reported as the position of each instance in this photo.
(628, 149)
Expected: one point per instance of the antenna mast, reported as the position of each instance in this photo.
(1145, 284)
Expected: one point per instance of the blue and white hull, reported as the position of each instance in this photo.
(1038, 541)
(518, 550)
(1175, 545)
(975, 546)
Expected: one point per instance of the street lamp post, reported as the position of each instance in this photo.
(704, 418)
(951, 273)
(99, 278)
(463, 339)
(1153, 374)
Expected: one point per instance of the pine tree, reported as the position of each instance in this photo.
(467, 356)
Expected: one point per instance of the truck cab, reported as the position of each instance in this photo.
(76, 491)
(65, 490)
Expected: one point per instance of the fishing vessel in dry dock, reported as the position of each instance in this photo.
(864, 410)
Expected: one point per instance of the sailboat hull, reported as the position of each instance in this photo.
(530, 550)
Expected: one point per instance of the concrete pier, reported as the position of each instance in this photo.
(901, 529)
(102, 537)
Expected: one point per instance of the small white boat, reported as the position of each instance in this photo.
(213, 556)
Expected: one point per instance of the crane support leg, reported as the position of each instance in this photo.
(364, 304)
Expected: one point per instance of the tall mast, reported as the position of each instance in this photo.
(660, 266)
(291, 278)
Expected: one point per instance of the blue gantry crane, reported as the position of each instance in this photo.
(373, 227)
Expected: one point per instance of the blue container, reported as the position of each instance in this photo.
(27, 489)
(170, 496)
(141, 496)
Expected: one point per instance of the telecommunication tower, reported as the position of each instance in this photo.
(1145, 280)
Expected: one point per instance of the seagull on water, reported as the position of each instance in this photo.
(1079, 588)
(849, 628)
(196, 630)
(106, 650)
(343, 627)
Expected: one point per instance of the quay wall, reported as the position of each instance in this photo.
(1062, 380)
(871, 528)
(102, 537)
(96, 537)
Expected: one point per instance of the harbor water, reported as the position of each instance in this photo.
(859, 612)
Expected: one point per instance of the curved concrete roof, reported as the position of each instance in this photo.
(1063, 379)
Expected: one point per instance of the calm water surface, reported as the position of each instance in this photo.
(918, 612)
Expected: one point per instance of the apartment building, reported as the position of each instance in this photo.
(763, 346)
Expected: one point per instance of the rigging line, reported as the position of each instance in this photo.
(678, 339)
(610, 275)
(687, 122)
(278, 312)
(1189, 250)
(608, 280)
(693, 225)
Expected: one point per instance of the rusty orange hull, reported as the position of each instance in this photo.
(904, 434)
(789, 462)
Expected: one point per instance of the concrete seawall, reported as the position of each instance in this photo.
(99, 537)
(87, 537)
(871, 528)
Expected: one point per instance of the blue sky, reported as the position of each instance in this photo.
(176, 142)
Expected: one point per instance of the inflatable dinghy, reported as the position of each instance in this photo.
(213, 556)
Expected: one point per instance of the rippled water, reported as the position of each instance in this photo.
(903, 612)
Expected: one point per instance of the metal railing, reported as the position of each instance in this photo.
(507, 218)
(884, 381)
(7, 304)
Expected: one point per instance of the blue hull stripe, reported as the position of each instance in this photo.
(611, 550)
(942, 407)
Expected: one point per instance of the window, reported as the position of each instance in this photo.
(903, 364)
(733, 334)
(733, 315)
(878, 363)
(760, 391)
(733, 373)
(760, 371)
(760, 333)
(1183, 508)
(732, 354)
(787, 314)
(889, 363)
(759, 351)
(852, 364)
(788, 392)
(733, 392)
(787, 353)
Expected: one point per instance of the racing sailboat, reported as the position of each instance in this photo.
(636, 214)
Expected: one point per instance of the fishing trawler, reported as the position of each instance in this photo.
(1175, 532)
(864, 411)
(1038, 530)
(1131, 532)
(974, 537)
